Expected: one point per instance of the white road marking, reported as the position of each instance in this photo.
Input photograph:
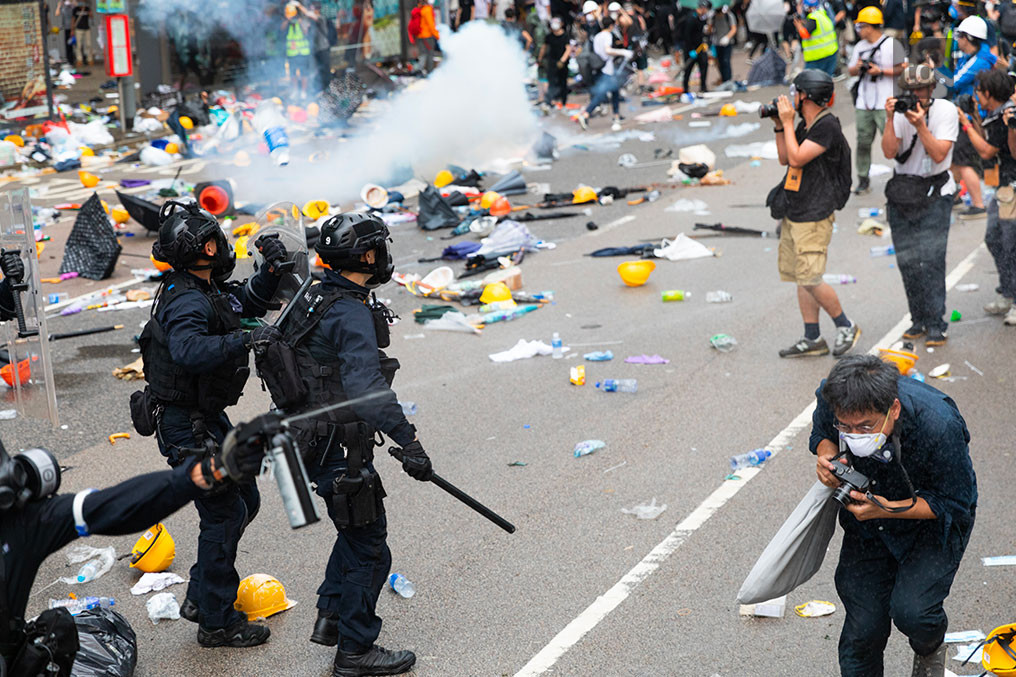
(610, 600)
(612, 225)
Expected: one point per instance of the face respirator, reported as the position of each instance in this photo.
(32, 475)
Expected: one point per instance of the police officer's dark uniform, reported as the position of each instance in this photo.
(335, 332)
(13, 268)
(35, 523)
(196, 364)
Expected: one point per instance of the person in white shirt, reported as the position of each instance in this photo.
(919, 196)
(876, 60)
(616, 67)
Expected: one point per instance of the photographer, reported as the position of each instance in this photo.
(919, 196)
(902, 540)
(876, 60)
(994, 139)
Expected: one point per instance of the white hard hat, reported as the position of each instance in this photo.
(614, 7)
(589, 7)
(974, 26)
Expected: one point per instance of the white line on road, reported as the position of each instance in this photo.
(612, 225)
(608, 601)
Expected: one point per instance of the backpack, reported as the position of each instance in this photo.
(414, 22)
(1007, 19)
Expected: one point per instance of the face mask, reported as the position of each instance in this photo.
(613, 15)
(864, 445)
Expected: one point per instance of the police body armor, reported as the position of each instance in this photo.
(208, 392)
(302, 374)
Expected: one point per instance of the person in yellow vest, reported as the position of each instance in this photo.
(818, 37)
(298, 32)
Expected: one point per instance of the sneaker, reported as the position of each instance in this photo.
(326, 629)
(936, 337)
(375, 661)
(239, 634)
(189, 610)
(932, 665)
(1000, 306)
(616, 127)
(581, 119)
(1010, 317)
(846, 337)
(916, 331)
(972, 213)
(863, 186)
(806, 348)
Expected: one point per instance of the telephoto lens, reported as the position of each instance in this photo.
(769, 110)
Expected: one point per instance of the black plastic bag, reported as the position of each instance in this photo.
(109, 647)
(92, 249)
(435, 213)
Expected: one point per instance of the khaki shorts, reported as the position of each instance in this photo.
(803, 249)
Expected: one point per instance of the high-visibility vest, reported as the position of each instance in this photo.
(297, 43)
(822, 42)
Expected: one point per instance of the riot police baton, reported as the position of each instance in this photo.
(17, 287)
(462, 496)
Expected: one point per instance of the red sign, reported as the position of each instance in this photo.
(118, 46)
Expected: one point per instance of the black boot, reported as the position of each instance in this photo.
(239, 634)
(375, 661)
(326, 629)
(189, 611)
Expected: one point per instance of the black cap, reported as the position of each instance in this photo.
(816, 85)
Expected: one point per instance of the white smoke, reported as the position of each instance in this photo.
(471, 110)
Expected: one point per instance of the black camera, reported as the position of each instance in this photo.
(850, 480)
(769, 110)
(967, 104)
(906, 102)
(864, 66)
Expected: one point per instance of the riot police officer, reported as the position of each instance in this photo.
(196, 364)
(334, 333)
(13, 268)
(36, 522)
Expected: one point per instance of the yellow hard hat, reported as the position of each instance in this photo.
(315, 209)
(870, 15)
(729, 110)
(154, 551)
(172, 148)
(583, 194)
(260, 596)
(88, 180)
(160, 266)
(119, 214)
(240, 247)
(16, 139)
(186, 122)
(997, 657)
(113, 109)
(443, 178)
(494, 292)
(489, 198)
(86, 151)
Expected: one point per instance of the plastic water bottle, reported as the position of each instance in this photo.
(271, 126)
(587, 447)
(833, 278)
(885, 250)
(402, 585)
(718, 296)
(556, 347)
(408, 408)
(675, 295)
(619, 385)
(723, 342)
(76, 606)
(89, 569)
(754, 457)
(870, 212)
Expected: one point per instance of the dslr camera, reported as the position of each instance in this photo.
(850, 480)
(864, 66)
(966, 103)
(906, 102)
(769, 110)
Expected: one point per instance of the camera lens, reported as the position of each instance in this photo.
(842, 494)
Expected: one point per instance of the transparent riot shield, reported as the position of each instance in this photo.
(285, 220)
(28, 371)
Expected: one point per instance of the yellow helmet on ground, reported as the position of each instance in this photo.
(154, 551)
(582, 195)
(494, 292)
(443, 178)
(186, 122)
(489, 198)
(999, 656)
(870, 15)
(260, 596)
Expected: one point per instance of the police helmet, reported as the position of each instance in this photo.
(184, 228)
(346, 237)
(814, 84)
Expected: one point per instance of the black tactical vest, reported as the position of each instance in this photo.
(209, 392)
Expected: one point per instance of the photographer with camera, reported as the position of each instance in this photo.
(903, 538)
(876, 60)
(994, 139)
(919, 196)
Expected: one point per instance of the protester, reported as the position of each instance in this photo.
(299, 31)
(818, 37)
(589, 62)
(876, 60)
(817, 183)
(636, 38)
(428, 35)
(995, 141)
(902, 540)
(554, 55)
(722, 33)
(516, 30)
(612, 77)
(83, 32)
(65, 10)
(693, 30)
(919, 197)
(895, 16)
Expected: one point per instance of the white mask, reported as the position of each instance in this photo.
(863, 445)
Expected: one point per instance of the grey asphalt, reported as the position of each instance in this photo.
(487, 601)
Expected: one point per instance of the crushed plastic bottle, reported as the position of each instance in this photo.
(723, 342)
(76, 606)
(753, 457)
(402, 585)
(271, 125)
(619, 385)
(587, 447)
(885, 250)
(599, 356)
(408, 408)
(718, 296)
(870, 212)
(833, 278)
(89, 570)
(557, 349)
(968, 287)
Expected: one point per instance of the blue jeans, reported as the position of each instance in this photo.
(827, 64)
(1000, 238)
(723, 61)
(920, 242)
(606, 86)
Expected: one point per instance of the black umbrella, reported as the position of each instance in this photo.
(92, 249)
(637, 250)
(733, 230)
(144, 212)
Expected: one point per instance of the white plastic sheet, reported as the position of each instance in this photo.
(682, 248)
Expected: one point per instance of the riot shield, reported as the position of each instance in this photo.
(28, 373)
(285, 220)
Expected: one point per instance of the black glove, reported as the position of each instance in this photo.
(12, 266)
(245, 445)
(273, 250)
(261, 336)
(415, 461)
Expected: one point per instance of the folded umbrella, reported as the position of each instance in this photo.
(144, 212)
(644, 250)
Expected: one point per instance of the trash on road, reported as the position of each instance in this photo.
(524, 350)
(163, 607)
(999, 561)
(635, 273)
(587, 447)
(967, 287)
(97, 561)
(118, 436)
(153, 582)
(754, 457)
(963, 636)
(884, 250)
(941, 371)
(577, 375)
(955, 316)
(814, 609)
(408, 408)
(646, 359)
(261, 596)
(870, 226)
(674, 295)
(131, 372)
(773, 608)
(973, 368)
(967, 653)
(718, 296)
(646, 511)
(682, 248)
(401, 585)
(599, 356)
(619, 385)
(723, 342)
(834, 278)
(75, 605)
